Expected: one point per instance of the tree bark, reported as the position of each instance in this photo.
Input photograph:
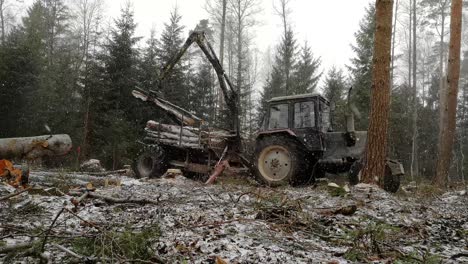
(223, 29)
(376, 149)
(410, 44)
(453, 75)
(221, 52)
(442, 80)
(35, 147)
(2, 20)
(414, 156)
(393, 44)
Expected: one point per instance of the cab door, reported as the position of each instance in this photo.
(306, 124)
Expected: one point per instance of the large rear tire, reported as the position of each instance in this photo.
(280, 161)
(151, 162)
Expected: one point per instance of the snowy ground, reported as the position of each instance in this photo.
(234, 222)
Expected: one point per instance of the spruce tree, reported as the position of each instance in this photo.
(286, 60)
(174, 84)
(334, 91)
(306, 75)
(361, 66)
(117, 120)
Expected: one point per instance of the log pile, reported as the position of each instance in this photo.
(185, 136)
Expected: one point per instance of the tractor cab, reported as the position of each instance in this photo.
(305, 116)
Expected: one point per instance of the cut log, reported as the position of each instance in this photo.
(178, 112)
(173, 142)
(188, 130)
(35, 147)
(174, 136)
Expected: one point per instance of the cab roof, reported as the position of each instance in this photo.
(297, 96)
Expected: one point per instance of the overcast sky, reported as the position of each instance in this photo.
(327, 25)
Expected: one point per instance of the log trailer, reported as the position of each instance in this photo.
(295, 144)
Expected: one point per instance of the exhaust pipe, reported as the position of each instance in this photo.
(350, 135)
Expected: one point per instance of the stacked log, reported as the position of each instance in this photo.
(185, 136)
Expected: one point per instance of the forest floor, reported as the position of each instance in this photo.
(178, 220)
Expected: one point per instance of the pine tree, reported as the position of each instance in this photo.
(306, 75)
(361, 66)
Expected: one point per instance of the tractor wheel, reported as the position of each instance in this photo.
(391, 182)
(150, 162)
(280, 161)
(354, 173)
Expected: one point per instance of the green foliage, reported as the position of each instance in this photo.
(334, 91)
(371, 241)
(361, 66)
(115, 120)
(124, 244)
(307, 75)
(292, 73)
(174, 86)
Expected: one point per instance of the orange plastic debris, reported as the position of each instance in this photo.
(12, 175)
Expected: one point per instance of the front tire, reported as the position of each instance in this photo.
(280, 161)
(151, 162)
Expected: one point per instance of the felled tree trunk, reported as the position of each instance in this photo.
(35, 147)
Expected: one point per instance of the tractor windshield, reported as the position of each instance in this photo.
(278, 116)
(304, 114)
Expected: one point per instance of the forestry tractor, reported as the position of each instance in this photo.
(296, 143)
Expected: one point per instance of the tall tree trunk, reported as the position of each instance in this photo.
(393, 44)
(410, 43)
(221, 52)
(376, 150)
(223, 29)
(2, 20)
(453, 75)
(414, 156)
(442, 101)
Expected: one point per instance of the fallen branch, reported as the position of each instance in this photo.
(81, 258)
(220, 223)
(17, 247)
(109, 199)
(105, 173)
(459, 255)
(15, 194)
(44, 242)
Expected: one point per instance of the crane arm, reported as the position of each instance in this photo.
(229, 93)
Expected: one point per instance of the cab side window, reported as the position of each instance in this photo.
(304, 114)
(278, 116)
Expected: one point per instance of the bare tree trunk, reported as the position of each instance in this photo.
(393, 44)
(442, 101)
(221, 52)
(223, 29)
(410, 44)
(88, 12)
(453, 75)
(462, 135)
(376, 149)
(2, 20)
(414, 156)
